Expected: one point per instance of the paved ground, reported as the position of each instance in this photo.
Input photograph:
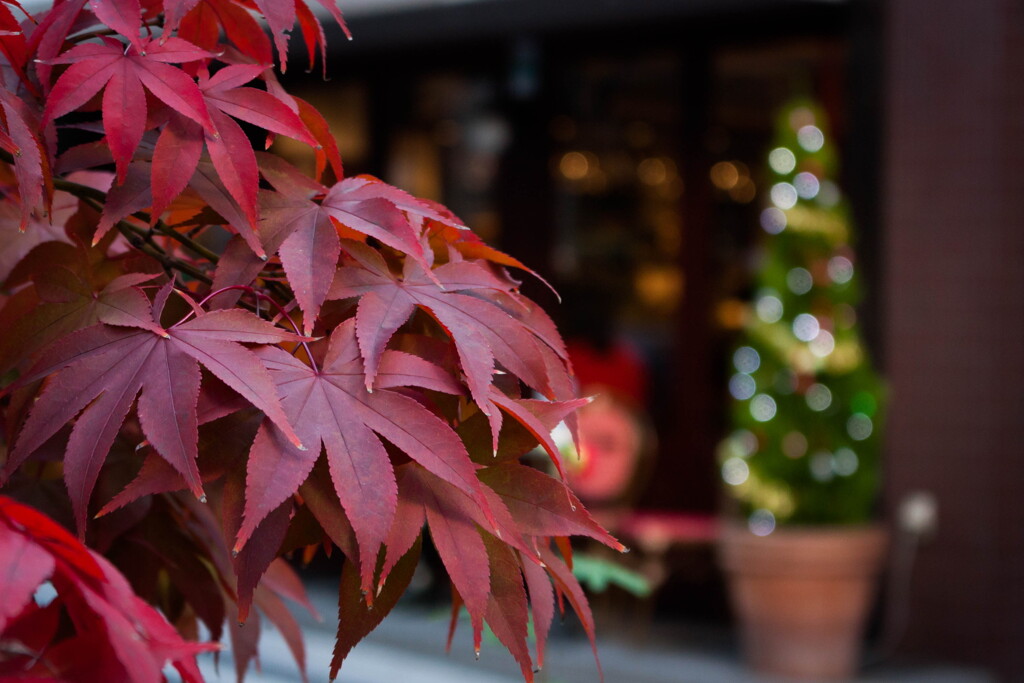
(409, 648)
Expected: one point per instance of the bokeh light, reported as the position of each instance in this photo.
(746, 359)
(746, 442)
(810, 138)
(655, 171)
(763, 408)
(859, 426)
(574, 166)
(725, 175)
(818, 397)
(806, 327)
(782, 160)
(840, 269)
(773, 220)
(784, 195)
(742, 386)
(769, 308)
(807, 185)
(744, 192)
(761, 522)
(823, 344)
(735, 471)
(799, 280)
(846, 462)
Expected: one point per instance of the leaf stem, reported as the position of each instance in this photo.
(260, 296)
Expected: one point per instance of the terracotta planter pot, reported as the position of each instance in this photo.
(802, 596)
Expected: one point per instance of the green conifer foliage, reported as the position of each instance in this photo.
(806, 402)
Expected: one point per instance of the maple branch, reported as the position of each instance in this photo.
(77, 189)
(140, 239)
(97, 199)
(84, 191)
(184, 240)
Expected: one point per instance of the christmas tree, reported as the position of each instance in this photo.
(806, 401)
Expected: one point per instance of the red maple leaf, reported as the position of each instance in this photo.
(529, 506)
(31, 166)
(372, 209)
(103, 369)
(112, 633)
(327, 149)
(124, 74)
(331, 405)
(482, 331)
(180, 145)
(13, 44)
(507, 605)
(358, 621)
(309, 246)
(364, 187)
(202, 21)
(309, 243)
(124, 16)
(65, 303)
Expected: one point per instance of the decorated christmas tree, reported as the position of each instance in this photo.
(806, 414)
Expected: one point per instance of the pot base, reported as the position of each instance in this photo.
(802, 596)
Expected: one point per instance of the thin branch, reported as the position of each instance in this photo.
(184, 240)
(83, 191)
(143, 241)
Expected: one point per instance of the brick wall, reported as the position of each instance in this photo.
(953, 271)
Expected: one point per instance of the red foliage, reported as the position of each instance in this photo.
(348, 370)
(95, 628)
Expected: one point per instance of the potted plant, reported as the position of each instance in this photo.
(802, 460)
(210, 360)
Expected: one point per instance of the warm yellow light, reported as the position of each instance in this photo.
(653, 171)
(744, 191)
(732, 314)
(574, 166)
(659, 286)
(725, 175)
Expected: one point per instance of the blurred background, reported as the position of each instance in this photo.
(621, 149)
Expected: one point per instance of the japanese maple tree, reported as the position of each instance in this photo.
(210, 361)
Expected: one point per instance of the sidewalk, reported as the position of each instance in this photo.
(409, 648)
